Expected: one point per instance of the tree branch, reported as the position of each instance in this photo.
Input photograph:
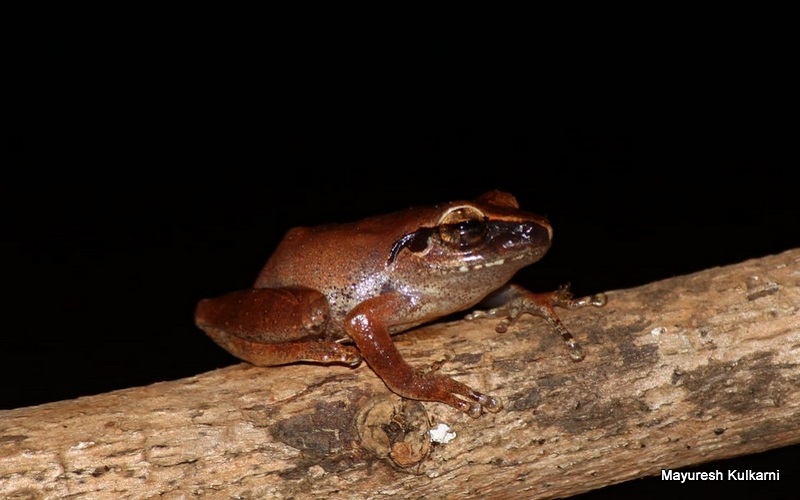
(678, 372)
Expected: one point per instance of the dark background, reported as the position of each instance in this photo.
(148, 171)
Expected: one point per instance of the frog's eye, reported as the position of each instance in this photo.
(462, 227)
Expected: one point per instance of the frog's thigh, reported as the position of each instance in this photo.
(272, 326)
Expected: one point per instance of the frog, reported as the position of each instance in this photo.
(337, 293)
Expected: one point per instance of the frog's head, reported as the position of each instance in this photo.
(489, 236)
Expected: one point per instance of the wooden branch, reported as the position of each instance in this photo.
(678, 372)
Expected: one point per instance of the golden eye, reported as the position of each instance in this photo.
(462, 228)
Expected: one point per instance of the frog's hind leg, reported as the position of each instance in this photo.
(273, 326)
(260, 354)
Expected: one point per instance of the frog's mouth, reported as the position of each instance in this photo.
(515, 258)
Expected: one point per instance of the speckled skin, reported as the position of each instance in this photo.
(365, 281)
(348, 262)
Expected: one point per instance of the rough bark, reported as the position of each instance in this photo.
(678, 372)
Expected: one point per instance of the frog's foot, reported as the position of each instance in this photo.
(486, 313)
(480, 402)
(459, 396)
(519, 301)
(462, 397)
(261, 354)
(332, 352)
(562, 297)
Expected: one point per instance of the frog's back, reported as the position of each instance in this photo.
(337, 255)
(322, 258)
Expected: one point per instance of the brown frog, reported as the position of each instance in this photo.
(327, 288)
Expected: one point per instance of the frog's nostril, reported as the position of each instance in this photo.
(537, 233)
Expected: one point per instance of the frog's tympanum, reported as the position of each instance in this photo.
(337, 293)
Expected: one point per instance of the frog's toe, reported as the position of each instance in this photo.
(598, 300)
(352, 358)
(473, 410)
(485, 313)
(489, 403)
(493, 404)
(563, 298)
(478, 402)
(337, 353)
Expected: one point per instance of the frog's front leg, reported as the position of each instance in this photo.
(512, 301)
(368, 324)
(273, 326)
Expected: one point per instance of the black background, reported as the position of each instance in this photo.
(148, 170)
